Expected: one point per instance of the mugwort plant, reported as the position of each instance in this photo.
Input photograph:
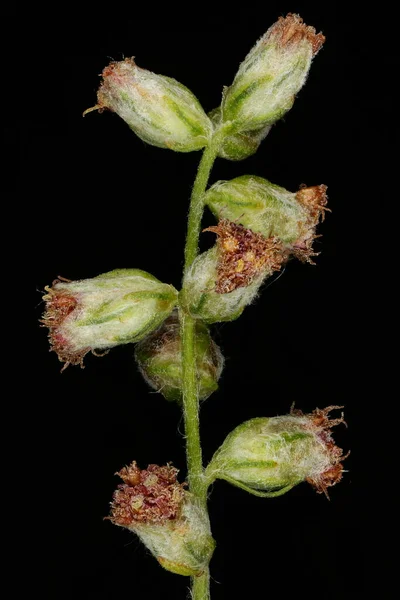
(259, 227)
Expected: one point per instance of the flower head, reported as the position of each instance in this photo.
(114, 308)
(151, 495)
(268, 456)
(160, 110)
(159, 356)
(169, 520)
(271, 211)
(270, 76)
(244, 255)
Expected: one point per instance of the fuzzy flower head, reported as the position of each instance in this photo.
(169, 520)
(159, 357)
(271, 211)
(268, 456)
(243, 256)
(160, 110)
(271, 75)
(151, 495)
(222, 281)
(114, 308)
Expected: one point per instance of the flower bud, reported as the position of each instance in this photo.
(160, 362)
(270, 76)
(114, 308)
(268, 456)
(223, 280)
(270, 210)
(238, 146)
(160, 110)
(168, 520)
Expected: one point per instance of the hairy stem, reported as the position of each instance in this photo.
(191, 409)
(196, 478)
(196, 201)
(201, 587)
(197, 481)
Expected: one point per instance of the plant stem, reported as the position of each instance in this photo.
(196, 201)
(191, 409)
(201, 586)
(197, 484)
(197, 481)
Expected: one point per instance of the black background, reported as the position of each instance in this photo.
(96, 198)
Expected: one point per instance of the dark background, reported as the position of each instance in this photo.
(96, 198)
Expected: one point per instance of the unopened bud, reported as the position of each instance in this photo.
(268, 456)
(241, 145)
(160, 360)
(270, 76)
(223, 280)
(270, 210)
(168, 519)
(160, 110)
(114, 308)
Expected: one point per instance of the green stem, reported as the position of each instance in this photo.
(201, 586)
(196, 201)
(197, 482)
